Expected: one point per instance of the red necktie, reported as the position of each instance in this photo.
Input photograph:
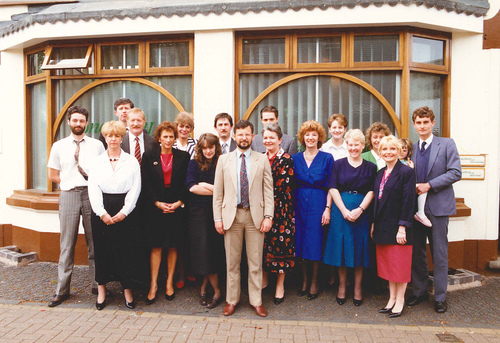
(138, 150)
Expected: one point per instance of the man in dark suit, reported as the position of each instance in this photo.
(269, 115)
(122, 106)
(136, 141)
(437, 165)
(223, 124)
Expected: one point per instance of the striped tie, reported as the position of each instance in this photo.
(138, 150)
(244, 183)
(77, 160)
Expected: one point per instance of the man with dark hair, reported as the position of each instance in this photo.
(437, 165)
(243, 206)
(69, 162)
(269, 115)
(223, 124)
(122, 106)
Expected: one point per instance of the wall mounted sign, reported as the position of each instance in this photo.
(473, 160)
(473, 173)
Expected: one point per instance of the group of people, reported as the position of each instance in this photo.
(195, 202)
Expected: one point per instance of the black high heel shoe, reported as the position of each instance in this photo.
(311, 296)
(278, 301)
(170, 297)
(100, 306)
(341, 301)
(396, 314)
(357, 302)
(385, 309)
(302, 292)
(130, 305)
(150, 301)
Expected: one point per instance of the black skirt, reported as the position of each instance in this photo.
(164, 230)
(114, 245)
(206, 244)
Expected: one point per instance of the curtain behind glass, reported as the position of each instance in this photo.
(99, 101)
(314, 97)
(426, 90)
(38, 153)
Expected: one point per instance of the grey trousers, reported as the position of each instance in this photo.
(73, 204)
(438, 240)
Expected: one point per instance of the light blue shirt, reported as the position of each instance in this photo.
(238, 168)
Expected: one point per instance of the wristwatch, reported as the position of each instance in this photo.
(268, 217)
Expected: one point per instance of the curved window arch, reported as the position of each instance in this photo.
(150, 95)
(304, 96)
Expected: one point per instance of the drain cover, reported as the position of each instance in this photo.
(446, 337)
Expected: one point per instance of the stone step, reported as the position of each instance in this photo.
(494, 264)
(460, 279)
(11, 255)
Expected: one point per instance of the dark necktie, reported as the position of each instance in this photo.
(422, 146)
(244, 183)
(138, 151)
(77, 160)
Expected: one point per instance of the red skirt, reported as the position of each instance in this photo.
(394, 262)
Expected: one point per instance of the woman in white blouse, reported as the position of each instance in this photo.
(114, 187)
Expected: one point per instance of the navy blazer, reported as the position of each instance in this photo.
(152, 176)
(444, 170)
(397, 205)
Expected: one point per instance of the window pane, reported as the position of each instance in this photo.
(426, 90)
(376, 48)
(99, 101)
(38, 149)
(264, 51)
(319, 50)
(120, 57)
(387, 83)
(317, 97)
(35, 62)
(163, 55)
(425, 50)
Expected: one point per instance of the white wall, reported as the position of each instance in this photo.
(213, 84)
(7, 11)
(474, 126)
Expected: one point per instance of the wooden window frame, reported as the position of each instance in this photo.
(381, 64)
(33, 78)
(171, 70)
(259, 67)
(51, 48)
(308, 66)
(132, 71)
(427, 67)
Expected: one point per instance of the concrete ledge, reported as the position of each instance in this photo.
(462, 279)
(10, 255)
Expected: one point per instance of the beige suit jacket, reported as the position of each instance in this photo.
(260, 183)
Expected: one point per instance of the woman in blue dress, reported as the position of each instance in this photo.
(312, 208)
(347, 242)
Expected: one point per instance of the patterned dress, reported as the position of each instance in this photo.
(279, 244)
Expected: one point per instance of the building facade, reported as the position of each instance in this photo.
(370, 60)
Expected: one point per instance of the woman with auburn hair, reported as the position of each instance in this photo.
(394, 191)
(312, 206)
(114, 187)
(347, 243)
(374, 134)
(207, 246)
(164, 183)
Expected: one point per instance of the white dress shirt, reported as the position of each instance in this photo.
(126, 178)
(380, 161)
(62, 158)
(238, 169)
(227, 143)
(337, 153)
(131, 141)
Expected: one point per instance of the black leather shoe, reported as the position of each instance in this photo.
(385, 310)
(58, 299)
(100, 306)
(278, 301)
(341, 301)
(204, 299)
(440, 306)
(130, 305)
(170, 297)
(302, 292)
(214, 302)
(311, 296)
(357, 302)
(395, 314)
(414, 300)
(150, 301)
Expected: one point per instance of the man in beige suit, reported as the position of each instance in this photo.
(243, 205)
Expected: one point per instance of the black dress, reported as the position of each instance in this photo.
(206, 244)
(163, 230)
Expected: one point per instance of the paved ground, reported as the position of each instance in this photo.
(474, 315)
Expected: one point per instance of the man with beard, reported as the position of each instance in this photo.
(69, 162)
(243, 205)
